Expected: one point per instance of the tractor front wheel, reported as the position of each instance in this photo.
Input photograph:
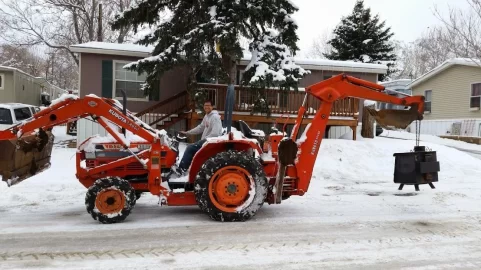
(231, 186)
(110, 200)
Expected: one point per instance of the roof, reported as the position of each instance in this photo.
(14, 105)
(447, 64)
(124, 49)
(40, 80)
(401, 83)
(16, 69)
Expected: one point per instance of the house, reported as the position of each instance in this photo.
(101, 73)
(397, 88)
(17, 86)
(453, 96)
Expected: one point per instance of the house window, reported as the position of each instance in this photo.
(475, 95)
(2, 81)
(128, 81)
(427, 101)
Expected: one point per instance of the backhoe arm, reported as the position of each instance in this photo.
(339, 87)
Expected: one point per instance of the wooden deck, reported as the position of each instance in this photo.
(283, 107)
(279, 102)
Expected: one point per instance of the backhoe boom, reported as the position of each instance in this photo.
(328, 91)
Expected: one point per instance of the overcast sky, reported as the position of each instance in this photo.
(407, 18)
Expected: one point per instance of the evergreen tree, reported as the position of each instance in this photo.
(363, 38)
(206, 35)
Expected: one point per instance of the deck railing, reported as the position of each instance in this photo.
(279, 102)
(162, 110)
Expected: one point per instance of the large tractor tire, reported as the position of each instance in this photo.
(110, 200)
(231, 186)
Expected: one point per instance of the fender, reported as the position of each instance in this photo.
(212, 148)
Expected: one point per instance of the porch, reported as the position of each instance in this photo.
(283, 106)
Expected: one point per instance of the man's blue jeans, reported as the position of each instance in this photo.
(189, 154)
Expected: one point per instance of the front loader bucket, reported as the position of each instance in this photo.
(400, 119)
(23, 158)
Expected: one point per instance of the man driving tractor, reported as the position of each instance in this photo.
(211, 126)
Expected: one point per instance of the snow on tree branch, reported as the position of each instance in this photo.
(272, 61)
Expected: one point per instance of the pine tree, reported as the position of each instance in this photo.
(363, 38)
(205, 35)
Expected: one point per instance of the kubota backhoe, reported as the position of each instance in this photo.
(230, 177)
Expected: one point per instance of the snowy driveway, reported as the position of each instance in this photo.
(352, 217)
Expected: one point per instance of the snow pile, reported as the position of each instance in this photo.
(258, 132)
(344, 175)
(60, 134)
(238, 135)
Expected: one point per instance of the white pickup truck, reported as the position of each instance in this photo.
(14, 113)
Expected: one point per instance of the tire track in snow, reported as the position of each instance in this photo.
(394, 235)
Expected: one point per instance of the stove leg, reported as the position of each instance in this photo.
(401, 187)
(432, 186)
(417, 187)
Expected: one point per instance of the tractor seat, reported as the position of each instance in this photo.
(245, 129)
(248, 133)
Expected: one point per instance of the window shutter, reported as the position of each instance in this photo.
(107, 78)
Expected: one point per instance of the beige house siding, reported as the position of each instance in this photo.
(27, 90)
(7, 94)
(451, 90)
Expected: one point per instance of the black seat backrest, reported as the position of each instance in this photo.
(245, 129)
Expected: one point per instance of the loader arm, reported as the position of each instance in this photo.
(328, 91)
(25, 153)
(71, 109)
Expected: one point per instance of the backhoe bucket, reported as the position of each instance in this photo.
(399, 119)
(23, 158)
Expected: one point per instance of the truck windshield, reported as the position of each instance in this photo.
(5, 117)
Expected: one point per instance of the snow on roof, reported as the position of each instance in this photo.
(445, 65)
(14, 105)
(312, 64)
(112, 48)
(16, 69)
(334, 65)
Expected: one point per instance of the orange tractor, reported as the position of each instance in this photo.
(230, 177)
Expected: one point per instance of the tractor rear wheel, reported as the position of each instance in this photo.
(231, 186)
(110, 200)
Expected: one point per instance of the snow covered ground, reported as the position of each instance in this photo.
(352, 217)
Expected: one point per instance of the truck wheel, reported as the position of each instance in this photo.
(231, 186)
(110, 200)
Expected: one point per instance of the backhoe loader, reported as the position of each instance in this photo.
(230, 177)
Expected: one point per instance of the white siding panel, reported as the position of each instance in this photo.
(337, 132)
(86, 128)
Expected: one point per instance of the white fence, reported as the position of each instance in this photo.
(87, 128)
(462, 127)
